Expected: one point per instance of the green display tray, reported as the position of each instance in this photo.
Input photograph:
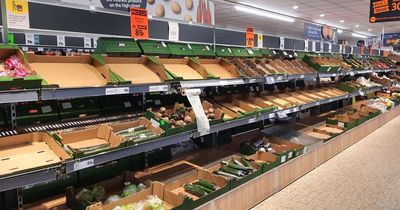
(254, 53)
(36, 113)
(223, 51)
(180, 49)
(77, 107)
(240, 52)
(192, 204)
(118, 104)
(203, 50)
(117, 46)
(156, 48)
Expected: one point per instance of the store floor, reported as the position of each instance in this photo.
(365, 176)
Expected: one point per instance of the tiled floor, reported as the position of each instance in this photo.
(365, 176)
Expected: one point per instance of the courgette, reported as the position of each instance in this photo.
(195, 190)
(205, 183)
(228, 175)
(232, 171)
(239, 167)
(245, 162)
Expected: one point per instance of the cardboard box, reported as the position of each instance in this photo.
(71, 71)
(218, 114)
(80, 107)
(373, 112)
(267, 160)
(278, 102)
(131, 124)
(29, 151)
(154, 48)
(36, 113)
(326, 132)
(220, 68)
(237, 106)
(185, 69)
(253, 63)
(236, 183)
(228, 113)
(298, 149)
(343, 121)
(28, 82)
(112, 186)
(141, 70)
(244, 68)
(90, 141)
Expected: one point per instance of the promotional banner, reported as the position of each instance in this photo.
(249, 37)
(392, 40)
(17, 14)
(196, 11)
(312, 31)
(384, 11)
(139, 23)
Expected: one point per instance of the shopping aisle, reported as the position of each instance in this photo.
(365, 176)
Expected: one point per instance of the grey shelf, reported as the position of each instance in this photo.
(215, 82)
(302, 76)
(14, 96)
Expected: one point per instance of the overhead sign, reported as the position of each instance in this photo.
(384, 11)
(312, 31)
(17, 14)
(392, 39)
(249, 37)
(139, 23)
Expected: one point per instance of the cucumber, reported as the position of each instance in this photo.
(239, 167)
(245, 162)
(233, 171)
(195, 190)
(228, 175)
(206, 183)
(131, 130)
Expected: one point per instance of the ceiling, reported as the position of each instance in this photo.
(353, 12)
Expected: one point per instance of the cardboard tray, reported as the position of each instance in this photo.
(266, 106)
(112, 186)
(373, 112)
(241, 108)
(220, 68)
(185, 69)
(141, 70)
(29, 151)
(279, 102)
(29, 82)
(116, 127)
(218, 114)
(100, 135)
(262, 71)
(236, 183)
(343, 121)
(267, 160)
(297, 149)
(326, 132)
(71, 71)
(244, 68)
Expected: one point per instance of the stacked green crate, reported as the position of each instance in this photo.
(180, 49)
(154, 48)
(36, 112)
(223, 51)
(118, 47)
(80, 107)
(203, 50)
(240, 52)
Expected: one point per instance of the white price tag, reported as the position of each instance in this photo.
(301, 76)
(173, 33)
(250, 51)
(121, 44)
(116, 91)
(158, 88)
(330, 100)
(296, 109)
(329, 69)
(229, 49)
(318, 103)
(361, 92)
(25, 49)
(87, 42)
(284, 52)
(83, 164)
(282, 43)
(61, 41)
(95, 42)
(163, 44)
(271, 115)
(252, 80)
(333, 75)
(29, 39)
(207, 47)
(46, 109)
(340, 48)
(341, 124)
(252, 120)
(40, 49)
(281, 114)
(314, 46)
(305, 150)
(283, 159)
(273, 51)
(127, 104)
(154, 123)
(66, 105)
(270, 80)
(321, 46)
(351, 50)
(190, 47)
(279, 78)
(290, 155)
(306, 45)
(352, 73)
(290, 56)
(330, 47)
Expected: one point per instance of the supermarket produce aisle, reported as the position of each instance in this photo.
(364, 176)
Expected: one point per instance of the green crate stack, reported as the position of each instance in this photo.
(118, 47)
(180, 49)
(154, 48)
(223, 51)
(203, 50)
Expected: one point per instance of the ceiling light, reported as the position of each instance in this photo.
(341, 21)
(340, 31)
(358, 35)
(264, 13)
(357, 26)
(322, 15)
(295, 6)
(369, 29)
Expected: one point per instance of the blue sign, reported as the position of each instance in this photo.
(392, 39)
(312, 31)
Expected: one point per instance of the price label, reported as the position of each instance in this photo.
(282, 43)
(127, 104)
(333, 75)
(273, 51)
(314, 46)
(116, 91)
(341, 124)
(281, 114)
(290, 155)
(270, 80)
(157, 102)
(66, 105)
(296, 109)
(83, 164)
(318, 103)
(330, 47)
(25, 49)
(330, 100)
(250, 51)
(173, 31)
(61, 41)
(252, 80)
(29, 39)
(158, 88)
(46, 109)
(306, 45)
(271, 115)
(229, 49)
(95, 42)
(154, 123)
(87, 42)
(207, 47)
(283, 159)
(190, 47)
(40, 49)
(361, 92)
(301, 76)
(284, 52)
(252, 120)
(352, 73)
(163, 44)
(290, 56)
(279, 78)
(321, 46)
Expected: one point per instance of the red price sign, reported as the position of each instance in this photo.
(249, 37)
(139, 23)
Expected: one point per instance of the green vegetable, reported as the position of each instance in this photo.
(141, 186)
(245, 162)
(195, 190)
(98, 193)
(231, 171)
(228, 175)
(129, 190)
(205, 183)
(112, 199)
(85, 195)
(131, 130)
(205, 189)
(231, 164)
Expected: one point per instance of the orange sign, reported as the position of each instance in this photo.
(139, 23)
(249, 37)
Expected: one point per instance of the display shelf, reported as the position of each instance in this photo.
(28, 178)
(14, 96)
(215, 83)
(333, 74)
(302, 76)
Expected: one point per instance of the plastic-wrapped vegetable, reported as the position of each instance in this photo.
(141, 186)
(112, 198)
(129, 190)
(98, 193)
(85, 195)
(154, 203)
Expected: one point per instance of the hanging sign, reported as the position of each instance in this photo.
(139, 23)
(384, 11)
(17, 14)
(312, 31)
(249, 37)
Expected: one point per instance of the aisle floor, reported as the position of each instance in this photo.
(364, 176)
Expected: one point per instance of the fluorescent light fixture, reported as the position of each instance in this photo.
(340, 31)
(357, 26)
(341, 21)
(322, 15)
(295, 6)
(264, 13)
(358, 35)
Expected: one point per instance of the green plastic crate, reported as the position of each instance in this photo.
(180, 49)
(254, 53)
(117, 46)
(36, 112)
(203, 50)
(223, 51)
(155, 48)
(120, 104)
(80, 107)
(240, 52)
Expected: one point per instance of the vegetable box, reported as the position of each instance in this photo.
(90, 141)
(320, 68)
(218, 114)
(142, 129)
(326, 132)
(298, 149)
(29, 151)
(27, 82)
(105, 193)
(117, 47)
(267, 160)
(343, 121)
(372, 112)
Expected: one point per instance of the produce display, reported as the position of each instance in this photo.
(279, 66)
(13, 67)
(152, 202)
(138, 134)
(200, 188)
(235, 168)
(178, 117)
